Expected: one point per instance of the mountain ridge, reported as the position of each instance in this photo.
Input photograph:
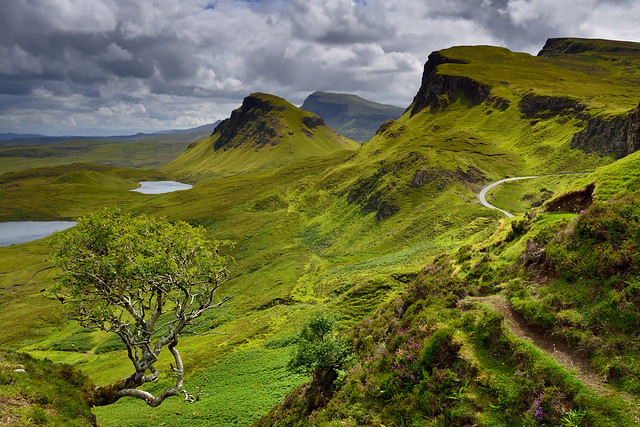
(265, 132)
(350, 115)
(15, 138)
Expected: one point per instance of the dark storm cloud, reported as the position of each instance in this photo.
(129, 68)
(68, 66)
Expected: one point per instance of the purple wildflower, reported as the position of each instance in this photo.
(536, 407)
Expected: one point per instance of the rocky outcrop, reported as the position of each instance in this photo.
(616, 136)
(534, 106)
(373, 195)
(438, 91)
(442, 177)
(251, 117)
(312, 121)
(386, 125)
(498, 102)
(574, 46)
(574, 201)
(376, 193)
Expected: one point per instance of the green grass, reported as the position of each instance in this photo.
(252, 149)
(154, 152)
(425, 362)
(67, 191)
(241, 386)
(587, 78)
(42, 394)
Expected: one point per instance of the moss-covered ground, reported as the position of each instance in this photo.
(34, 392)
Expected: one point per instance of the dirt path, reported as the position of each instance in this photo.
(557, 349)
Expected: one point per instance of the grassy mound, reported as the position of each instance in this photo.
(35, 392)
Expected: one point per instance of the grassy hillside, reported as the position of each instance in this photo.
(439, 353)
(350, 115)
(67, 191)
(600, 82)
(392, 240)
(265, 133)
(36, 392)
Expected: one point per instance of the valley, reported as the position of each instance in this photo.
(447, 303)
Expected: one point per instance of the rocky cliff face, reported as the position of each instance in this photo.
(574, 46)
(534, 106)
(251, 117)
(438, 90)
(616, 136)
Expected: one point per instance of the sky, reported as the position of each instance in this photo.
(106, 67)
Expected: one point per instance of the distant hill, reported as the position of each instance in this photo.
(142, 150)
(266, 132)
(192, 134)
(350, 115)
(208, 128)
(9, 136)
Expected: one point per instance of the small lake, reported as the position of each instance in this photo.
(15, 232)
(159, 187)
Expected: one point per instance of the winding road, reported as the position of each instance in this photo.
(483, 193)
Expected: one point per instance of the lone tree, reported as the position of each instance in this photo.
(144, 279)
(320, 353)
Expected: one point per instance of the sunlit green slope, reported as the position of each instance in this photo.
(265, 133)
(439, 354)
(67, 191)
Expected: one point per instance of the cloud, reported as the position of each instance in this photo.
(71, 66)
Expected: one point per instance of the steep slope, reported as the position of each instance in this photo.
(265, 133)
(36, 392)
(537, 323)
(350, 115)
(429, 356)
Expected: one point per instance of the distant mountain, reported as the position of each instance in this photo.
(266, 132)
(350, 115)
(208, 128)
(9, 136)
(142, 150)
(188, 135)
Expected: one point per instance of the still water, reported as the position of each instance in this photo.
(159, 187)
(14, 232)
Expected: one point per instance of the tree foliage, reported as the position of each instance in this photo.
(318, 347)
(142, 278)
